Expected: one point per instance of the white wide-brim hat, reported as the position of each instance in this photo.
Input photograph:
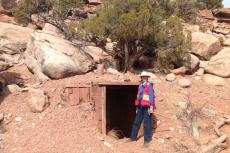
(143, 74)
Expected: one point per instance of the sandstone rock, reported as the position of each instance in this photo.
(200, 72)
(7, 19)
(184, 83)
(220, 64)
(109, 46)
(13, 41)
(37, 20)
(203, 64)
(38, 100)
(52, 56)
(171, 77)
(207, 14)
(13, 38)
(192, 28)
(205, 45)
(4, 66)
(222, 30)
(222, 12)
(182, 105)
(194, 63)
(227, 42)
(180, 71)
(13, 88)
(50, 29)
(96, 52)
(214, 80)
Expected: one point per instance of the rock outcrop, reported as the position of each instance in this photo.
(214, 80)
(205, 45)
(54, 57)
(13, 41)
(220, 64)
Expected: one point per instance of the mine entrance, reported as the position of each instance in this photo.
(120, 109)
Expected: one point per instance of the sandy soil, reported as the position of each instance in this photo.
(72, 129)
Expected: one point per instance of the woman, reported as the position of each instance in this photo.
(144, 103)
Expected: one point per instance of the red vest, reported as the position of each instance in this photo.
(145, 102)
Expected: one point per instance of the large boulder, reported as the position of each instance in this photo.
(226, 42)
(214, 80)
(13, 41)
(96, 52)
(220, 64)
(205, 45)
(54, 57)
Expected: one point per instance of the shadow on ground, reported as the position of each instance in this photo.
(7, 78)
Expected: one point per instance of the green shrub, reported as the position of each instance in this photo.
(186, 10)
(138, 27)
(172, 45)
(209, 4)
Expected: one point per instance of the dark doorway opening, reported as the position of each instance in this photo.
(120, 109)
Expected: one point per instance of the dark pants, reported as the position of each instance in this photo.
(142, 114)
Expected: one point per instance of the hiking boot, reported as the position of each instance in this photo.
(146, 144)
(129, 140)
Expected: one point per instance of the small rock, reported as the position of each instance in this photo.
(200, 72)
(203, 64)
(160, 140)
(170, 77)
(18, 119)
(108, 40)
(184, 83)
(107, 144)
(13, 88)
(182, 105)
(194, 63)
(171, 129)
(180, 71)
(113, 71)
(38, 100)
(109, 46)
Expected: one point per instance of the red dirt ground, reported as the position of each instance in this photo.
(69, 129)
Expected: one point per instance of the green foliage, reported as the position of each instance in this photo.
(209, 4)
(71, 27)
(172, 45)
(186, 10)
(23, 11)
(60, 9)
(138, 27)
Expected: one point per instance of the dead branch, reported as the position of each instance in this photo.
(214, 146)
(219, 125)
(220, 143)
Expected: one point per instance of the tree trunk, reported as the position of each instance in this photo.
(126, 62)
